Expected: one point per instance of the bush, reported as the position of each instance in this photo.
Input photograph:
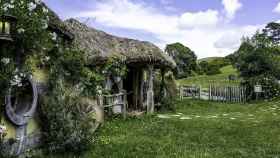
(270, 87)
(168, 104)
(66, 127)
(165, 93)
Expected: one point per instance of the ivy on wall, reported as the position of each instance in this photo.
(69, 77)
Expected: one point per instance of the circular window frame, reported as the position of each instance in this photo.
(22, 119)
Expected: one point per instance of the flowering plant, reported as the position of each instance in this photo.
(32, 37)
(3, 130)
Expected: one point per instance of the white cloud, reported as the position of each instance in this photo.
(128, 15)
(199, 19)
(203, 31)
(277, 8)
(231, 7)
(231, 38)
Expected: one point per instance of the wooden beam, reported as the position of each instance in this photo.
(150, 93)
(141, 95)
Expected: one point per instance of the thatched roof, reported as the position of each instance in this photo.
(57, 25)
(100, 45)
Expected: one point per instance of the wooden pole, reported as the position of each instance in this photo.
(141, 99)
(150, 93)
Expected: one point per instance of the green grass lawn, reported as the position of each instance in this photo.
(205, 80)
(198, 129)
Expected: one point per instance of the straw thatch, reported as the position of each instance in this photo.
(100, 45)
(57, 25)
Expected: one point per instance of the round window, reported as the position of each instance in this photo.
(21, 102)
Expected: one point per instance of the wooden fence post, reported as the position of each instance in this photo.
(100, 101)
(124, 105)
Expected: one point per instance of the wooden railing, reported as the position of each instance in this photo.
(114, 100)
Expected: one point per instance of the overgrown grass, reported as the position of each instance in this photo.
(205, 80)
(198, 129)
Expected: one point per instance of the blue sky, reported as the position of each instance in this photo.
(209, 27)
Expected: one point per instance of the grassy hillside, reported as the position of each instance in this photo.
(204, 80)
(198, 129)
(209, 59)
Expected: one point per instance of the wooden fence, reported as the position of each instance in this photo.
(231, 94)
(190, 91)
(234, 94)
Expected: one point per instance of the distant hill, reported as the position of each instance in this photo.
(209, 59)
(205, 80)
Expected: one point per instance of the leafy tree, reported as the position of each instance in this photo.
(257, 57)
(258, 60)
(272, 31)
(184, 57)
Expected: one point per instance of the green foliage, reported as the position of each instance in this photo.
(212, 67)
(31, 36)
(71, 66)
(168, 104)
(270, 87)
(66, 126)
(115, 66)
(32, 22)
(184, 58)
(258, 61)
(165, 91)
(7, 68)
(205, 80)
(272, 31)
(215, 130)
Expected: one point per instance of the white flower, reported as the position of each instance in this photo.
(99, 90)
(45, 10)
(54, 36)
(22, 75)
(17, 80)
(44, 24)
(3, 129)
(47, 58)
(31, 6)
(5, 61)
(8, 6)
(21, 30)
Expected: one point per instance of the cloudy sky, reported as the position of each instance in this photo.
(209, 27)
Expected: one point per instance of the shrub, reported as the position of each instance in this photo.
(66, 127)
(270, 87)
(165, 92)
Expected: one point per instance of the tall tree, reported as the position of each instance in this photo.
(272, 31)
(258, 60)
(184, 57)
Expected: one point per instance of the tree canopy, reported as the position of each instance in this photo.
(184, 57)
(258, 60)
